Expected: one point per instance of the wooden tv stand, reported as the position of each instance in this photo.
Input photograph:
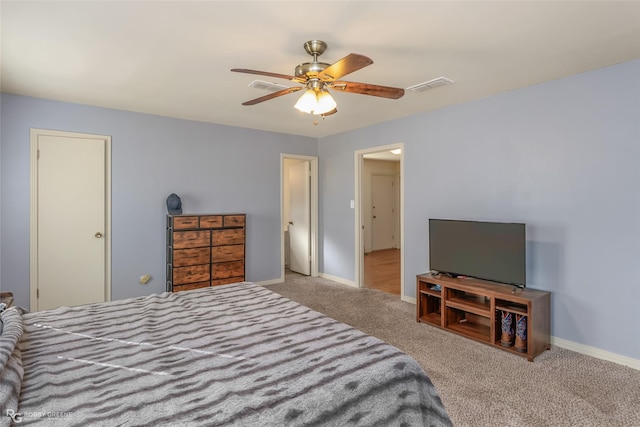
(473, 308)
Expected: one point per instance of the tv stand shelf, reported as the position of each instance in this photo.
(474, 308)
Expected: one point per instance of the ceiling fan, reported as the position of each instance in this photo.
(317, 77)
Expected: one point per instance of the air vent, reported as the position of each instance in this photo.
(271, 87)
(440, 81)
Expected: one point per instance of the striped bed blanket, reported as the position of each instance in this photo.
(236, 354)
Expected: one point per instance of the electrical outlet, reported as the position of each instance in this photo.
(145, 279)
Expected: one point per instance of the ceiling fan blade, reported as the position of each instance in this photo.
(368, 89)
(266, 73)
(348, 64)
(273, 95)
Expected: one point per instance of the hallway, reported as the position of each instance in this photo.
(382, 271)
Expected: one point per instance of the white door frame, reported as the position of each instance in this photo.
(313, 163)
(359, 235)
(33, 211)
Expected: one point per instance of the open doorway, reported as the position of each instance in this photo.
(299, 214)
(379, 219)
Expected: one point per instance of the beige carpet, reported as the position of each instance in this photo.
(481, 385)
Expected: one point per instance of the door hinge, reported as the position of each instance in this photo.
(37, 154)
(37, 293)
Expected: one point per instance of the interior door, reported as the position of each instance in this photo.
(71, 223)
(300, 217)
(382, 211)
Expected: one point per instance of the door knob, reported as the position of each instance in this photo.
(290, 222)
(374, 217)
(98, 235)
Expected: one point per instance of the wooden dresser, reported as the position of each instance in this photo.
(205, 250)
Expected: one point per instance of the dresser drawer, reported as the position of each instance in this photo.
(227, 253)
(211, 221)
(234, 220)
(191, 239)
(182, 222)
(191, 274)
(184, 257)
(191, 286)
(223, 270)
(231, 236)
(227, 280)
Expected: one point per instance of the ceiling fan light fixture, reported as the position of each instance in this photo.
(307, 102)
(325, 104)
(312, 102)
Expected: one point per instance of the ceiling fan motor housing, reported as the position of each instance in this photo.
(314, 48)
(310, 69)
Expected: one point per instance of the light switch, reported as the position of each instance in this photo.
(353, 204)
(145, 279)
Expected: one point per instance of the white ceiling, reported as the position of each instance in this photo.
(173, 58)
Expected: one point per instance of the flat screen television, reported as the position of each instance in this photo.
(494, 251)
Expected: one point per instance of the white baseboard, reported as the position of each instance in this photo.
(338, 279)
(596, 352)
(270, 282)
(412, 300)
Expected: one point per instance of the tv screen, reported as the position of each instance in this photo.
(492, 251)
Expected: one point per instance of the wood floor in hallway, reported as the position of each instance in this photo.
(382, 270)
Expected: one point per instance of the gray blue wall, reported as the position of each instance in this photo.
(213, 168)
(562, 156)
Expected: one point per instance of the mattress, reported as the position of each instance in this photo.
(236, 354)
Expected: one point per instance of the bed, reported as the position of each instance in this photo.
(236, 354)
